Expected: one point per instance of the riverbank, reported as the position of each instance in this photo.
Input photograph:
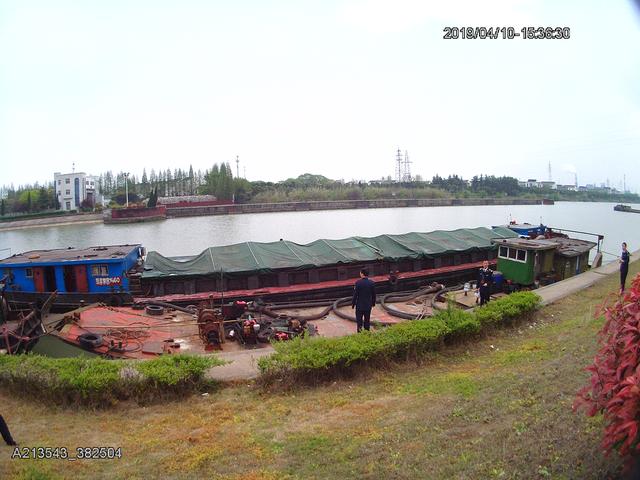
(237, 209)
(497, 407)
(52, 221)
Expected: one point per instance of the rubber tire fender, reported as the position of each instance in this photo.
(90, 341)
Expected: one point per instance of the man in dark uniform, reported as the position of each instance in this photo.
(6, 435)
(485, 281)
(364, 298)
(624, 266)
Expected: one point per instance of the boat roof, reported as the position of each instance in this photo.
(527, 244)
(70, 254)
(255, 257)
(567, 247)
(522, 226)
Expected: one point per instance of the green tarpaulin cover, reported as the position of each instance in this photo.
(255, 257)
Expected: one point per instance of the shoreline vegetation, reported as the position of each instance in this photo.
(24, 201)
(316, 360)
(101, 383)
(498, 406)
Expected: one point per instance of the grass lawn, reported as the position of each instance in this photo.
(497, 407)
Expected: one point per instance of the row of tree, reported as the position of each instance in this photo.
(220, 182)
(27, 199)
(169, 183)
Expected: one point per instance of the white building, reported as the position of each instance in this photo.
(74, 188)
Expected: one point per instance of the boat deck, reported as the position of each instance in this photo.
(142, 336)
(301, 289)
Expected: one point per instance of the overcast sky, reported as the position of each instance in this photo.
(332, 87)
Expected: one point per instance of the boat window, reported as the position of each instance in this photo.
(100, 270)
(512, 253)
(522, 255)
(503, 252)
(29, 272)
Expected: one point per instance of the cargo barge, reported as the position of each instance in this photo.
(625, 208)
(275, 271)
(225, 297)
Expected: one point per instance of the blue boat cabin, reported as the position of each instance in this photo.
(72, 270)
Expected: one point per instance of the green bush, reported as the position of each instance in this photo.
(459, 322)
(325, 355)
(316, 358)
(506, 308)
(176, 369)
(98, 382)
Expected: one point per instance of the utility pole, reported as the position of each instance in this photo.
(126, 189)
(550, 170)
(237, 166)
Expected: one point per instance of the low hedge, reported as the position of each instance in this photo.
(317, 358)
(98, 382)
(506, 308)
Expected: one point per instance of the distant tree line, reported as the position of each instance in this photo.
(169, 183)
(27, 199)
(220, 182)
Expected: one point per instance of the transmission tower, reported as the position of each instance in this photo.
(399, 166)
(406, 175)
(550, 170)
(237, 166)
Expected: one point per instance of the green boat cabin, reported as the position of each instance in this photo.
(528, 262)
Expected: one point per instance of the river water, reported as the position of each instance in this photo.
(191, 235)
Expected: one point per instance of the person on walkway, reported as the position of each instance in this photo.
(364, 299)
(624, 266)
(6, 434)
(485, 281)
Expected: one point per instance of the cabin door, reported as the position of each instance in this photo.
(80, 273)
(75, 278)
(38, 279)
(50, 284)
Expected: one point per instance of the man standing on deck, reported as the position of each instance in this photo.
(364, 298)
(624, 266)
(485, 281)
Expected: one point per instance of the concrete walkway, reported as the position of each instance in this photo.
(556, 291)
(243, 364)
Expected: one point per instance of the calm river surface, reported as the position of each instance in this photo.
(189, 236)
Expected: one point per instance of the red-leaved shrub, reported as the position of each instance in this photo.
(614, 387)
